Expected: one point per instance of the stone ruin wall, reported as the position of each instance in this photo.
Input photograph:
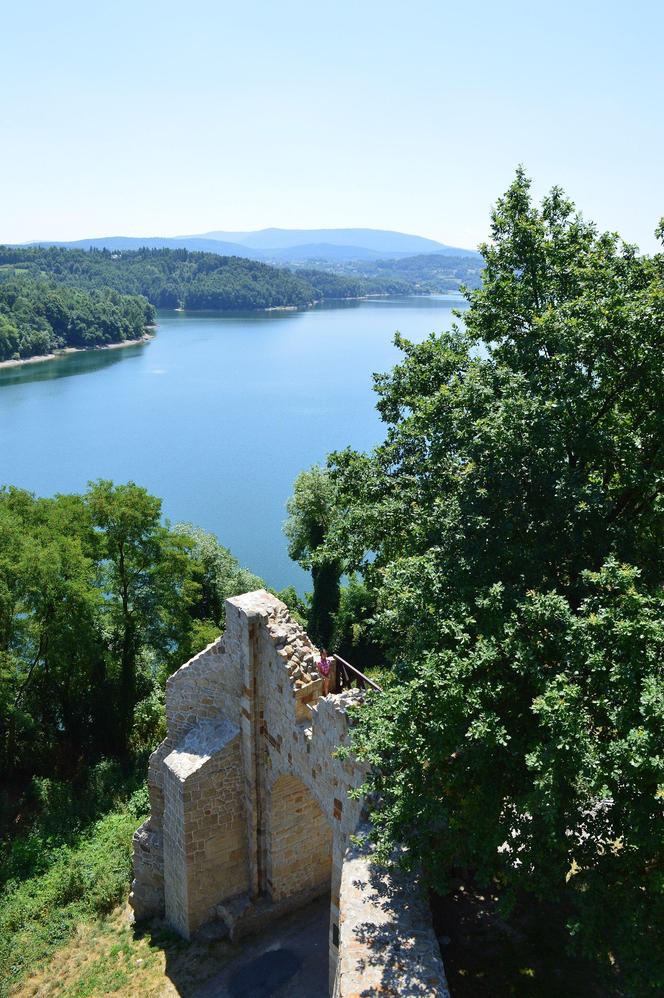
(387, 945)
(250, 815)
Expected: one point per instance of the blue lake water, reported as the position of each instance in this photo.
(216, 415)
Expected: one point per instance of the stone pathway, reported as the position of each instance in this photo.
(289, 960)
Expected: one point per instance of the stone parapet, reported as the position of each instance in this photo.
(387, 945)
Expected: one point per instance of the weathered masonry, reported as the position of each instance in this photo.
(250, 814)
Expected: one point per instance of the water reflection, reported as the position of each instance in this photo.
(68, 364)
(434, 302)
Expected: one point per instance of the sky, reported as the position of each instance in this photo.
(171, 118)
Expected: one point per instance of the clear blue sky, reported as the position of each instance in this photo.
(163, 118)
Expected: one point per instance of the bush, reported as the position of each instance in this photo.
(56, 812)
(86, 879)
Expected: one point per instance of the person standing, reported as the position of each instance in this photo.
(325, 669)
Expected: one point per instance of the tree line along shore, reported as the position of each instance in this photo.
(53, 298)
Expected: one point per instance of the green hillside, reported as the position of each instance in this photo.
(178, 278)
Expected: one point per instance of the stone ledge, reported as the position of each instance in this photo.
(257, 604)
(199, 745)
(243, 916)
(387, 945)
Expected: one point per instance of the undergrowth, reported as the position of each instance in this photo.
(61, 873)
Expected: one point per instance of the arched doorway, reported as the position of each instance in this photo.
(299, 842)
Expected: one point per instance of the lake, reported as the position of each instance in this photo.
(216, 415)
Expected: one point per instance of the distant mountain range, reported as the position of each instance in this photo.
(283, 246)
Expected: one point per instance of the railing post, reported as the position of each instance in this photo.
(349, 674)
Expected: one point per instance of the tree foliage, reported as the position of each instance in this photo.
(221, 575)
(99, 602)
(37, 317)
(510, 531)
(178, 278)
(309, 517)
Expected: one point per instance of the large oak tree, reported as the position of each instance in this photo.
(510, 528)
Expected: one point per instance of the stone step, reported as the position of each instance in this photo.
(241, 915)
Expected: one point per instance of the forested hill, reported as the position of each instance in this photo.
(433, 271)
(178, 278)
(428, 272)
(38, 317)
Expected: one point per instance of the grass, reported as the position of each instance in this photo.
(100, 957)
(108, 956)
(79, 882)
(65, 929)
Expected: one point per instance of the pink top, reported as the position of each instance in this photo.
(324, 666)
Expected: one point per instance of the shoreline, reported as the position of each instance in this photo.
(288, 308)
(41, 358)
(151, 330)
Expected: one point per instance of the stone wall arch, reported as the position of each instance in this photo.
(298, 841)
(279, 768)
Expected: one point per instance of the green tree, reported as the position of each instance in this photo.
(37, 316)
(99, 601)
(510, 529)
(149, 580)
(533, 756)
(353, 636)
(49, 642)
(309, 516)
(10, 340)
(221, 576)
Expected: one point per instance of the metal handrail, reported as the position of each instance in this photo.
(347, 675)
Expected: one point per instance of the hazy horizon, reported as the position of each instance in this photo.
(152, 119)
(239, 236)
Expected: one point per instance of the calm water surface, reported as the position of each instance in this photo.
(217, 415)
